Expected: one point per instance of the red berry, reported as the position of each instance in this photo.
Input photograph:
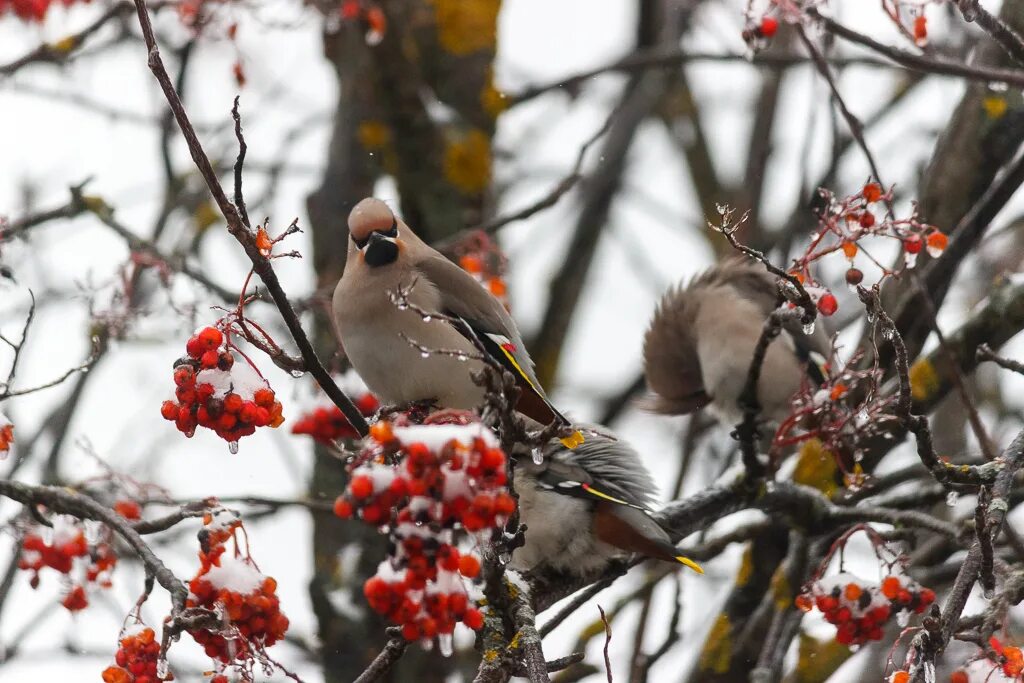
(912, 243)
(210, 337)
(361, 486)
(194, 347)
(263, 397)
(769, 25)
(473, 619)
(169, 410)
(867, 219)
(854, 276)
(872, 192)
(342, 508)
(827, 304)
(209, 359)
(469, 566)
(232, 403)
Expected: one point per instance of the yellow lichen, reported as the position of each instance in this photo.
(373, 134)
(995, 106)
(782, 593)
(924, 380)
(66, 44)
(467, 162)
(490, 655)
(717, 651)
(816, 467)
(493, 101)
(746, 566)
(514, 643)
(465, 26)
(818, 659)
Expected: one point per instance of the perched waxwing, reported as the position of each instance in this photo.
(385, 257)
(699, 346)
(586, 505)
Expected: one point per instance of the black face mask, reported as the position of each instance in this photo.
(380, 251)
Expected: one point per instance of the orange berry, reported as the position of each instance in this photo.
(872, 192)
(900, 677)
(850, 249)
(497, 286)
(937, 241)
(838, 391)
(342, 508)
(852, 591)
(381, 431)
(891, 587)
(471, 264)
(959, 676)
(469, 566)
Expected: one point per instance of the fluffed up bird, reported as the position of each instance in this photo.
(385, 258)
(584, 506)
(700, 343)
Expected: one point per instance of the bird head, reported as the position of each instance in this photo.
(374, 231)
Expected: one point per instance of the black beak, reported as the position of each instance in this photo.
(380, 251)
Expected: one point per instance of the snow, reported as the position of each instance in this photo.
(435, 437)
(236, 574)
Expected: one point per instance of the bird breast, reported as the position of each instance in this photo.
(377, 336)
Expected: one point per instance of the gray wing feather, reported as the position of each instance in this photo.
(612, 466)
(465, 297)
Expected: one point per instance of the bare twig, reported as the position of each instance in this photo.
(1010, 40)
(986, 353)
(383, 662)
(607, 642)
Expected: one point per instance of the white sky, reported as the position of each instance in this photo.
(49, 145)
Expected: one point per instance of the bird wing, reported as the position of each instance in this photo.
(463, 297)
(756, 284)
(634, 530)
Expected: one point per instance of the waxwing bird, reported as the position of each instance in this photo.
(584, 506)
(699, 346)
(385, 258)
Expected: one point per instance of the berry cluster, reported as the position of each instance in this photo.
(327, 424)
(30, 10)
(234, 587)
(859, 610)
(137, 659)
(213, 391)
(481, 257)
(6, 436)
(69, 553)
(842, 413)
(426, 482)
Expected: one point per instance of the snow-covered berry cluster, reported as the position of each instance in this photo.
(6, 436)
(426, 483)
(860, 610)
(65, 549)
(215, 392)
(233, 586)
(327, 424)
(137, 658)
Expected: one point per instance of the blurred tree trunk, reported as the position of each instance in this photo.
(382, 126)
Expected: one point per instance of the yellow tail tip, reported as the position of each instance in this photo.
(690, 563)
(573, 440)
